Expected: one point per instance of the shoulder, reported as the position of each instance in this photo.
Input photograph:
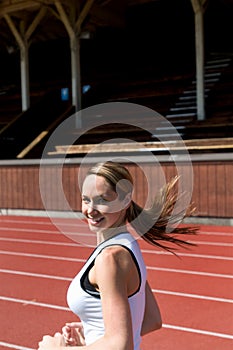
(114, 255)
(115, 270)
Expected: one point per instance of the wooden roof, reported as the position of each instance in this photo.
(44, 20)
(41, 20)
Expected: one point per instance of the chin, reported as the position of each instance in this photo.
(95, 228)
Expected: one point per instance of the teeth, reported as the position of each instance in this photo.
(99, 220)
(96, 220)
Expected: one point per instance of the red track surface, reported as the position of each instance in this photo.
(194, 290)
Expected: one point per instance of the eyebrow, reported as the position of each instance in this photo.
(98, 196)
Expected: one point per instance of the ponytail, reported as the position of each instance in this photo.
(158, 225)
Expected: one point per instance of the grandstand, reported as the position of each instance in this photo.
(166, 85)
(24, 134)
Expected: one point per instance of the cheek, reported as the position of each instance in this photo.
(109, 209)
(84, 208)
(116, 207)
(115, 219)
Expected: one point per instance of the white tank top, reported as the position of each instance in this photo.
(85, 301)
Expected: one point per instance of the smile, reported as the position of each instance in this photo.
(94, 221)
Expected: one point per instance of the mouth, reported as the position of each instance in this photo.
(95, 221)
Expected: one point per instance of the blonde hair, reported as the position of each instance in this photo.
(157, 224)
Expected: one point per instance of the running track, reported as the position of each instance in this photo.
(194, 291)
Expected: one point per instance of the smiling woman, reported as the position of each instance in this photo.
(102, 206)
(111, 295)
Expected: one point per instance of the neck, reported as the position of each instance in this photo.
(109, 233)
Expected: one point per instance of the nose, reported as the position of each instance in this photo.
(91, 208)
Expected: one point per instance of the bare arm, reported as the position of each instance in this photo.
(152, 317)
(112, 273)
(113, 270)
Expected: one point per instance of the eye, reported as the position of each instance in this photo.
(85, 200)
(100, 200)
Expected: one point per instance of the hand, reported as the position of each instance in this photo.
(73, 334)
(52, 343)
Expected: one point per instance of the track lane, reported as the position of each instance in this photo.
(48, 264)
(161, 280)
(180, 339)
(27, 323)
(196, 313)
(172, 315)
(38, 289)
(194, 284)
(218, 250)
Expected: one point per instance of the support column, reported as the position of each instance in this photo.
(24, 63)
(74, 35)
(200, 64)
(75, 72)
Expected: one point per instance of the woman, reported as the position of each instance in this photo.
(111, 294)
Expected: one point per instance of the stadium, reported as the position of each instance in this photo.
(146, 82)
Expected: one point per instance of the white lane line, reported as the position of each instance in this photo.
(56, 221)
(68, 221)
(220, 244)
(32, 274)
(215, 233)
(199, 331)
(18, 229)
(59, 226)
(41, 256)
(52, 257)
(53, 223)
(14, 346)
(34, 241)
(34, 303)
(195, 296)
(160, 291)
(40, 222)
(147, 251)
(186, 329)
(190, 272)
(190, 255)
(58, 232)
(65, 233)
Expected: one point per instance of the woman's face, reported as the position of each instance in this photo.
(101, 205)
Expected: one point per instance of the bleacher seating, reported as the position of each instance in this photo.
(24, 128)
(197, 145)
(175, 98)
(172, 96)
(10, 104)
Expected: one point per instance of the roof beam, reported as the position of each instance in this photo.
(10, 6)
(83, 15)
(35, 22)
